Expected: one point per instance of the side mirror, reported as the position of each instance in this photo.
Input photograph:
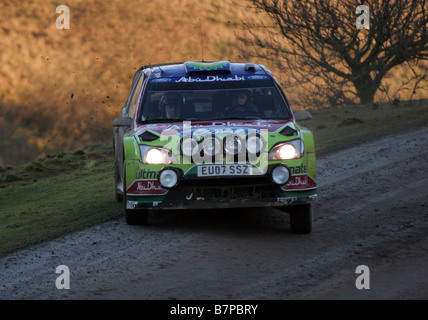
(122, 122)
(302, 115)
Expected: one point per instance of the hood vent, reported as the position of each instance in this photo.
(148, 136)
(288, 131)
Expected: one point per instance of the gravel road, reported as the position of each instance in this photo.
(372, 210)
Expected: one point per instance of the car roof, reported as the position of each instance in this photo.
(190, 68)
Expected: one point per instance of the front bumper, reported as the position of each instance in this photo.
(276, 203)
(222, 193)
(143, 190)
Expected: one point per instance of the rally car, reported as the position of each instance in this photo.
(199, 135)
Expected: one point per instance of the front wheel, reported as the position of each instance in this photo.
(301, 218)
(118, 185)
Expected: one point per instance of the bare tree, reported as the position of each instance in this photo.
(317, 43)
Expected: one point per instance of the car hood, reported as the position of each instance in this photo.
(215, 127)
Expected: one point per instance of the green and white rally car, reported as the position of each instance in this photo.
(199, 135)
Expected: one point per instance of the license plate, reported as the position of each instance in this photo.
(225, 170)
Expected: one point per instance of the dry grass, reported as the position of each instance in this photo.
(60, 89)
(335, 128)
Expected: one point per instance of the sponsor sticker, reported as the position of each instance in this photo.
(299, 182)
(146, 187)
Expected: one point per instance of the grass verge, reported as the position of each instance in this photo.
(72, 191)
(56, 195)
(338, 128)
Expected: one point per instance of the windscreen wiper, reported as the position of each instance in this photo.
(162, 120)
(239, 118)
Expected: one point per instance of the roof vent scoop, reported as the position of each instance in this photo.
(207, 67)
(250, 67)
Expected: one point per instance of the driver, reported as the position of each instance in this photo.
(171, 105)
(242, 103)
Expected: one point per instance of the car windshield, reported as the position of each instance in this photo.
(255, 99)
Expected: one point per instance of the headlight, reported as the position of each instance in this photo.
(287, 150)
(232, 145)
(189, 146)
(255, 144)
(168, 178)
(157, 155)
(280, 175)
(211, 146)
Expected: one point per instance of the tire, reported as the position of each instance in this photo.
(119, 196)
(301, 218)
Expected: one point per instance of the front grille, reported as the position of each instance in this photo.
(229, 189)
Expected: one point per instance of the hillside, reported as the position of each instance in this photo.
(63, 88)
(60, 89)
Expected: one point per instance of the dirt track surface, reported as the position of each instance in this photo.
(372, 210)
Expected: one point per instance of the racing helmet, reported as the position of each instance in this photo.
(172, 97)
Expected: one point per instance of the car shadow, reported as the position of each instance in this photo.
(242, 220)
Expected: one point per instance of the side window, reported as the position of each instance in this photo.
(135, 98)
